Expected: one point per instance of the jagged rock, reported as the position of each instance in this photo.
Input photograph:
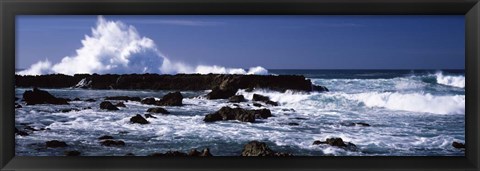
(148, 101)
(265, 99)
(236, 99)
(38, 96)
(108, 106)
(218, 93)
(124, 98)
(182, 82)
(72, 153)
(105, 137)
(158, 110)
(149, 116)
(110, 143)
(120, 104)
(204, 153)
(458, 145)
(256, 148)
(171, 99)
(319, 88)
(227, 113)
(55, 144)
(139, 119)
(337, 142)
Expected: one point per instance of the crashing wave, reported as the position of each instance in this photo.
(116, 48)
(454, 81)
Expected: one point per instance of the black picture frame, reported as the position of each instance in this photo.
(10, 8)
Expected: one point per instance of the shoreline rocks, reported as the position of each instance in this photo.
(458, 145)
(171, 99)
(227, 113)
(158, 110)
(139, 119)
(181, 82)
(108, 106)
(37, 96)
(256, 148)
(218, 93)
(265, 99)
(236, 99)
(336, 142)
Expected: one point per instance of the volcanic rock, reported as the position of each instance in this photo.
(158, 110)
(171, 99)
(108, 106)
(110, 143)
(458, 145)
(218, 93)
(38, 96)
(139, 119)
(236, 99)
(55, 144)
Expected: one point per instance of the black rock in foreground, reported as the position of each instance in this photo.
(170, 82)
(255, 148)
(37, 96)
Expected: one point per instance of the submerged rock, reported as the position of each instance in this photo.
(105, 137)
(458, 145)
(171, 99)
(158, 110)
(237, 99)
(256, 148)
(38, 96)
(148, 101)
(336, 142)
(218, 93)
(55, 144)
(319, 88)
(139, 119)
(108, 106)
(124, 98)
(227, 113)
(110, 143)
(265, 99)
(90, 100)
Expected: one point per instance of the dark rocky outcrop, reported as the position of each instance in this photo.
(21, 133)
(204, 153)
(110, 143)
(237, 99)
(37, 96)
(55, 144)
(148, 101)
(168, 82)
(257, 104)
(336, 142)
(90, 100)
(158, 110)
(171, 99)
(458, 145)
(105, 137)
(139, 119)
(319, 88)
(265, 99)
(256, 148)
(108, 106)
(227, 113)
(72, 153)
(124, 98)
(120, 104)
(219, 93)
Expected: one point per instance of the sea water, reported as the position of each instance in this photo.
(410, 113)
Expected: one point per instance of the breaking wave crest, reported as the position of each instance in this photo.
(454, 81)
(114, 47)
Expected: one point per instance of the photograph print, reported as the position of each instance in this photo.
(240, 85)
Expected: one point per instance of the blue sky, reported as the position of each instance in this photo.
(274, 42)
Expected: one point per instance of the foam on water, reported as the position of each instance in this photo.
(455, 81)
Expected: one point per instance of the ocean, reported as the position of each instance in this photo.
(410, 113)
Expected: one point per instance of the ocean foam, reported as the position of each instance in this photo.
(454, 81)
(415, 102)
